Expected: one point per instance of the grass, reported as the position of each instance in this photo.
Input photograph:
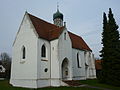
(4, 85)
(95, 83)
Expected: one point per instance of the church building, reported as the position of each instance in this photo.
(46, 54)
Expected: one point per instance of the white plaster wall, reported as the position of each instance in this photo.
(24, 69)
(92, 69)
(54, 60)
(55, 69)
(89, 60)
(78, 73)
(43, 63)
(43, 78)
(65, 51)
(26, 83)
(55, 64)
(43, 83)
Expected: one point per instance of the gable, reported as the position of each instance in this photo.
(25, 29)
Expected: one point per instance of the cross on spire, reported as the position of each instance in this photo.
(57, 6)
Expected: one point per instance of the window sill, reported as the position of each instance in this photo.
(44, 60)
(22, 61)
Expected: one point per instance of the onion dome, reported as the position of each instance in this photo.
(57, 15)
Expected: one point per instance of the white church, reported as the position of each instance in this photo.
(46, 54)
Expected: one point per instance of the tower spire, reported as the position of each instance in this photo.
(58, 17)
(57, 6)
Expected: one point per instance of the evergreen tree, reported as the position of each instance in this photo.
(110, 52)
(104, 39)
(102, 74)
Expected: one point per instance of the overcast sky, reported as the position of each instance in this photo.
(83, 17)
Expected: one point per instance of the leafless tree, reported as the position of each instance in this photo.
(6, 62)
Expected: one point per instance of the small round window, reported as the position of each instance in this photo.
(46, 69)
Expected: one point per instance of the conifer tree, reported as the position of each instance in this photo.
(103, 55)
(110, 52)
(104, 39)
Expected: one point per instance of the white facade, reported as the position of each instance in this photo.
(24, 71)
(60, 62)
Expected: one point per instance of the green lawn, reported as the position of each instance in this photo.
(4, 85)
(97, 84)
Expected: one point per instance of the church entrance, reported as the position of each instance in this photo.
(65, 69)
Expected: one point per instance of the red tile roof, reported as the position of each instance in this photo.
(50, 31)
(78, 42)
(53, 34)
(98, 65)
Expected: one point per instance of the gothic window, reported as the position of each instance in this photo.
(23, 53)
(64, 36)
(78, 61)
(43, 51)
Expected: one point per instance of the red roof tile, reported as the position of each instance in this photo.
(78, 42)
(50, 31)
(53, 34)
(98, 65)
(42, 27)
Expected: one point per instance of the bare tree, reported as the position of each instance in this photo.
(4, 56)
(6, 62)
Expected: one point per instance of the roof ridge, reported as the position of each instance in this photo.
(74, 34)
(42, 20)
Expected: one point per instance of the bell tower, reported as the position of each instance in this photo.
(58, 18)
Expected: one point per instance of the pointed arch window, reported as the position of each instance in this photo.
(23, 52)
(78, 64)
(79, 60)
(43, 51)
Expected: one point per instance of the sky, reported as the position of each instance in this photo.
(82, 17)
